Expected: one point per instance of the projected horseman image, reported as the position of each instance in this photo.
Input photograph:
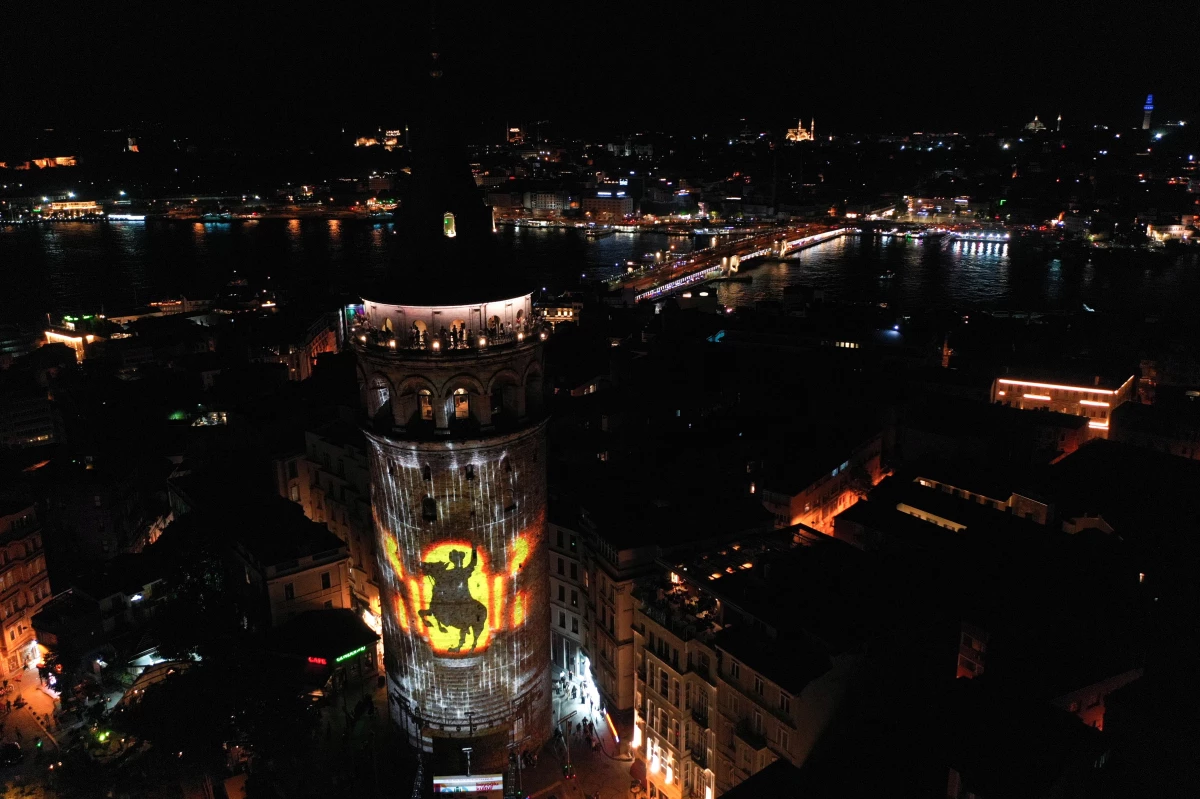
(452, 604)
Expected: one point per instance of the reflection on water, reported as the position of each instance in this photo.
(80, 267)
(967, 274)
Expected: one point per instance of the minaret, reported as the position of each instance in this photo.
(1147, 110)
(450, 366)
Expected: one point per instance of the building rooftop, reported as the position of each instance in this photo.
(272, 529)
(823, 590)
(328, 633)
(1009, 746)
(1143, 494)
(788, 660)
(1176, 420)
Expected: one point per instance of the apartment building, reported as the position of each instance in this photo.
(613, 567)
(24, 584)
(676, 690)
(568, 601)
(823, 482)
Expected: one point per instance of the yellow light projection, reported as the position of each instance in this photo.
(454, 600)
(455, 595)
(518, 554)
(401, 612)
(393, 556)
(518, 612)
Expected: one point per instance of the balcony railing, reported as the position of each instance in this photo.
(443, 341)
(751, 736)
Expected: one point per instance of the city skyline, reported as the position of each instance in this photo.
(585, 403)
(892, 71)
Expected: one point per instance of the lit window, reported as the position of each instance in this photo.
(448, 228)
(425, 401)
(462, 404)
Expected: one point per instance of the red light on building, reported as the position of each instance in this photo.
(318, 661)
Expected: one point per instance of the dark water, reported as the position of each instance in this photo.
(976, 275)
(84, 268)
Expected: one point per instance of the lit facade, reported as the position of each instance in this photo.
(457, 458)
(800, 133)
(676, 696)
(1094, 402)
(24, 587)
(817, 503)
(568, 602)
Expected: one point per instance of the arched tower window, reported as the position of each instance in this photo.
(462, 404)
(425, 404)
(427, 473)
(428, 508)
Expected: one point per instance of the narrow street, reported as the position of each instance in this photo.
(604, 772)
(26, 725)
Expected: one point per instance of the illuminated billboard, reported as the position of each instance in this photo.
(481, 785)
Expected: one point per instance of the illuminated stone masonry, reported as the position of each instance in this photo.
(456, 440)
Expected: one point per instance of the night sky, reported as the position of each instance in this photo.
(919, 66)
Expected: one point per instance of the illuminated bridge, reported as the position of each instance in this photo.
(710, 269)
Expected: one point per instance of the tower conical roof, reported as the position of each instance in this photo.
(448, 253)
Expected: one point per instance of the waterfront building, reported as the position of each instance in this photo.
(608, 204)
(451, 373)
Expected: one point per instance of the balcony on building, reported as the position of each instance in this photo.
(445, 330)
(680, 609)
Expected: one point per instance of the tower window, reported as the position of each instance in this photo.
(470, 472)
(462, 404)
(448, 229)
(427, 473)
(429, 509)
(425, 401)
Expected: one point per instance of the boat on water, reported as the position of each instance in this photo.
(888, 275)
(217, 216)
(597, 233)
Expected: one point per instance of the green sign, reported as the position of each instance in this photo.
(349, 655)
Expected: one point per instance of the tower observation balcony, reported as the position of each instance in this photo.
(460, 371)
